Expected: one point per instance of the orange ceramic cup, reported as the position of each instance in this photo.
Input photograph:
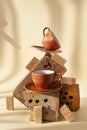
(49, 40)
(43, 78)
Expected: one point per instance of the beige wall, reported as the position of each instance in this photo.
(21, 25)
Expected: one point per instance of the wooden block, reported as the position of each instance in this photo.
(48, 100)
(57, 67)
(32, 63)
(68, 80)
(18, 92)
(38, 114)
(45, 63)
(58, 59)
(31, 116)
(69, 116)
(70, 95)
(10, 103)
(49, 114)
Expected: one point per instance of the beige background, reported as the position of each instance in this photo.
(21, 25)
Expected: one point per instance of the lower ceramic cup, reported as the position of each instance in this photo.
(43, 78)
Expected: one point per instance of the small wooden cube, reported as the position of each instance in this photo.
(31, 116)
(38, 114)
(10, 102)
(69, 116)
(68, 80)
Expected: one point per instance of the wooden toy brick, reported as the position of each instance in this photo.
(38, 114)
(70, 95)
(68, 80)
(10, 103)
(58, 59)
(69, 116)
(45, 63)
(48, 100)
(31, 116)
(18, 92)
(57, 67)
(32, 64)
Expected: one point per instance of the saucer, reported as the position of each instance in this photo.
(31, 86)
(41, 48)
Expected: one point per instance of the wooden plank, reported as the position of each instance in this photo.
(57, 67)
(32, 64)
(18, 91)
(68, 80)
(58, 59)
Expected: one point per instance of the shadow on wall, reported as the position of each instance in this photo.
(76, 59)
(57, 11)
(5, 36)
(3, 23)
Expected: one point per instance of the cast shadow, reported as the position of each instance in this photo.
(3, 23)
(76, 50)
(5, 36)
(55, 12)
(56, 18)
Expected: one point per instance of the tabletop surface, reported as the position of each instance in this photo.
(18, 119)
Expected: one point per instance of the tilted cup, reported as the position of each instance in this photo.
(43, 78)
(49, 41)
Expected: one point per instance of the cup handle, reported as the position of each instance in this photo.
(57, 77)
(60, 77)
(44, 30)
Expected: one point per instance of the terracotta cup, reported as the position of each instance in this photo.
(43, 78)
(49, 40)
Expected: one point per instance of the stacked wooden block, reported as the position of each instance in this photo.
(47, 62)
(38, 114)
(49, 103)
(48, 100)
